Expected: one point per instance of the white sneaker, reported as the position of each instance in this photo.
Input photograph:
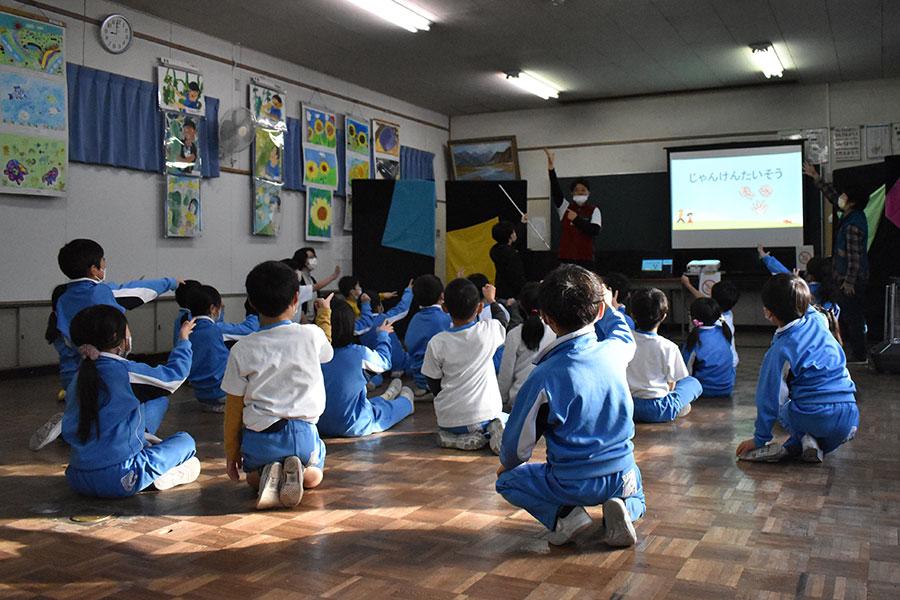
(618, 529)
(568, 527)
(462, 441)
(151, 439)
(397, 374)
(186, 472)
(768, 453)
(811, 451)
(685, 410)
(291, 491)
(419, 392)
(269, 486)
(495, 434)
(208, 407)
(407, 393)
(47, 432)
(393, 390)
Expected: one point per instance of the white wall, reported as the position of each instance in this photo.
(620, 133)
(123, 209)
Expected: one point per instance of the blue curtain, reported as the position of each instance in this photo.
(416, 164)
(293, 158)
(115, 121)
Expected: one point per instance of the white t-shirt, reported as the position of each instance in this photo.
(462, 358)
(656, 362)
(517, 363)
(276, 370)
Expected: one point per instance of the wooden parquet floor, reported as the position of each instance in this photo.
(398, 517)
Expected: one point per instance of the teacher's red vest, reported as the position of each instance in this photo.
(575, 244)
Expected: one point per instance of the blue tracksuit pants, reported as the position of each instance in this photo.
(293, 438)
(661, 410)
(830, 424)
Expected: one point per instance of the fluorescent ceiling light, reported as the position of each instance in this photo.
(533, 84)
(399, 12)
(766, 60)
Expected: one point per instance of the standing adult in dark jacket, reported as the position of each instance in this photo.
(581, 221)
(507, 262)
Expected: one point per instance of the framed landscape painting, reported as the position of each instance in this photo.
(484, 159)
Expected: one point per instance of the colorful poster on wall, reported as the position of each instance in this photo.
(357, 168)
(386, 145)
(267, 154)
(181, 147)
(32, 43)
(180, 90)
(183, 215)
(846, 143)
(357, 136)
(358, 163)
(33, 165)
(321, 128)
(31, 101)
(266, 208)
(267, 106)
(320, 168)
(318, 214)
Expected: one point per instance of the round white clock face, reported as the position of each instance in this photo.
(116, 34)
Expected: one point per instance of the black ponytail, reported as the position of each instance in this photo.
(94, 329)
(52, 330)
(533, 326)
(706, 312)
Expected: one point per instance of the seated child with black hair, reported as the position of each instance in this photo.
(428, 291)
(459, 368)
(369, 338)
(577, 399)
(348, 413)
(352, 291)
(707, 351)
(658, 379)
(181, 299)
(276, 392)
(726, 294)
(620, 286)
(818, 279)
(523, 343)
(114, 406)
(803, 381)
(84, 263)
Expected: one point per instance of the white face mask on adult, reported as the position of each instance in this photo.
(579, 199)
(311, 263)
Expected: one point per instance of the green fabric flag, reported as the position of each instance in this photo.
(874, 209)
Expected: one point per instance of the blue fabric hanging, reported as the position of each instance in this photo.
(115, 120)
(410, 222)
(416, 164)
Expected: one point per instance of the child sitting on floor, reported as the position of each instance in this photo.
(803, 381)
(726, 294)
(399, 358)
(658, 379)
(348, 413)
(577, 399)
(276, 393)
(459, 368)
(108, 426)
(424, 325)
(707, 351)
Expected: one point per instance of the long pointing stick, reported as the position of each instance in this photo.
(533, 228)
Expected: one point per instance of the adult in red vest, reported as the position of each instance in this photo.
(580, 221)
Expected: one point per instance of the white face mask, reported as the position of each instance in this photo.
(842, 202)
(312, 262)
(579, 199)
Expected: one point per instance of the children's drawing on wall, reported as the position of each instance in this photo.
(33, 165)
(321, 128)
(31, 44)
(181, 90)
(183, 216)
(182, 149)
(318, 214)
(266, 208)
(267, 106)
(387, 137)
(320, 168)
(32, 101)
(386, 168)
(267, 152)
(357, 135)
(357, 168)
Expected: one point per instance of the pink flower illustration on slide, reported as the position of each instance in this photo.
(765, 191)
(747, 193)
(760, 207)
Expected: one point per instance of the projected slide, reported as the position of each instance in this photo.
(737, 197)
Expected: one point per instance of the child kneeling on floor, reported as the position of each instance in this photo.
(660, 383)
(459, 368)
(577, 398)
(803, 380)
(108, 427)
(275, 393)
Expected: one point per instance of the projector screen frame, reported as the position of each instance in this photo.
(766, 240)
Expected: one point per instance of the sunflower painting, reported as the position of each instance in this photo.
(320, 168)
(321, 127)
(357, 136)
(318, 214)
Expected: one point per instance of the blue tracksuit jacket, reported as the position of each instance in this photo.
(424, 325)
(578, 398)
(711, 361)
(370, 339)
(815, 288)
